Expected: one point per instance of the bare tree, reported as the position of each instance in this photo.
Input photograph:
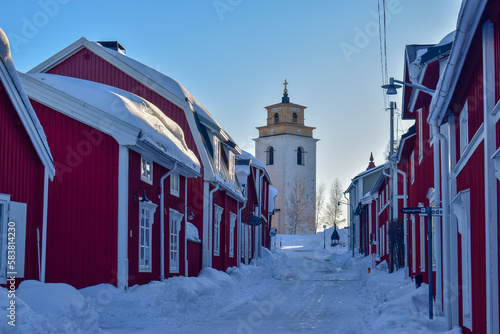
(320, 203)
(299, 209)
(333, 210)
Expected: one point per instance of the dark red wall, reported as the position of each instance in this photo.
(21, 176)
(83, 202)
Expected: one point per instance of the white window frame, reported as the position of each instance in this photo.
(146, 212)
(232, 224)
(231, 162)
(412, 167)
(461, 209)
(420, 136)
(175, 220)
(249, 241)
(217, 225)
(217, 154)
(146, 175)
(175, 184)
(464, 127)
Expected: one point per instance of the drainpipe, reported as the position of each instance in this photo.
(240, 228)
(445, 174)
(44, 222)
(405, 219)
(162, 222)
(261, 203)
(210, 224)
(185, 227)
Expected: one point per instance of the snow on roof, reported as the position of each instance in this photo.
(37, 133)
(247, 156)
(164, 81)
(242, 173)
(156, 128)
(192, 233)
(273, 192)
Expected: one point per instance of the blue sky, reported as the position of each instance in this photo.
(234, 55)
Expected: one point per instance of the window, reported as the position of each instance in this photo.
(217, 219)
(270, 156)
(231, 166)
(12, 223)
(243, 240)
(146, 220)
(174, 184)
(300, 156)
(420, 136)
(249, 240)
(413, 244)
(422, 243)
(461, 209)
(232, 223)
(217, 154)
(175, 226)
(146, 170)
(294, 118)
(412, 167)
(464, 128)
(276, 118)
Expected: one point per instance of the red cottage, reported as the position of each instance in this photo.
(26, 165)
(120, 185)
(465, 112)
(216, 197)
(260, 195)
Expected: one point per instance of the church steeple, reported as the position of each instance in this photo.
(285, 98)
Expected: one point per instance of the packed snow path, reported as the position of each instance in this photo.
(310, 294)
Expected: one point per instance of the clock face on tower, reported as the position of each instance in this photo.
(299, 131)
(272, 131)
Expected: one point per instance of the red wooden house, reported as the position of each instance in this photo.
(120, 185)
(217, 196)
(465, 107)
(259, 193)
(26, 165)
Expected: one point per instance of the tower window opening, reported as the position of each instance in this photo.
(300, 156)
(276, 118)
(270, 155)
(294, 118)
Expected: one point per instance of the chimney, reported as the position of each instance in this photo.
(113, 45)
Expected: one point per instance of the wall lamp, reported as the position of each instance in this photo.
(191, 214)
(392, 87)
(141, 199)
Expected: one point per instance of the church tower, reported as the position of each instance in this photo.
(288, 148)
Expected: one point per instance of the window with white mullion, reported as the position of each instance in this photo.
(413, 244)
(175, 219)
(217, 225)
(464, 127)
(232, 224)
(146, 170)
(146, 220)
(422, 243)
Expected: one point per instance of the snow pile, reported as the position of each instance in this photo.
(49, 308)
(192, 233)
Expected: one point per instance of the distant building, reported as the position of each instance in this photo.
(288, 148)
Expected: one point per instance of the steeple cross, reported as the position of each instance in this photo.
(285, 83)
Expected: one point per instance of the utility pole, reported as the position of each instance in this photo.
(392, 106)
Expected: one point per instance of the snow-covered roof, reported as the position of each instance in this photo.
(273, 192)
(247, 156)
(154, 127)
(20, 101)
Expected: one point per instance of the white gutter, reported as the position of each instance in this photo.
(44, 220)
(210, 225)
(123, 192)
(445, 203)
(162, 221)
(405, 218)
(261, 186)
(240, 228)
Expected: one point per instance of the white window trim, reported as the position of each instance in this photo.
(175, 184)
(217, 225)
(232, 224)
(217, 154)
(464, 128)
(412, 167)
(144, 177)
(175, 219)
(420, 137)
(461, 209)
(151, 209)
(422, 243)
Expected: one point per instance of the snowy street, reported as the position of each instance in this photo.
(301, 288)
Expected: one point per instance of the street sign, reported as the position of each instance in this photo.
(411, 210)
(423, 211)
(255, 221)
(273, 232)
